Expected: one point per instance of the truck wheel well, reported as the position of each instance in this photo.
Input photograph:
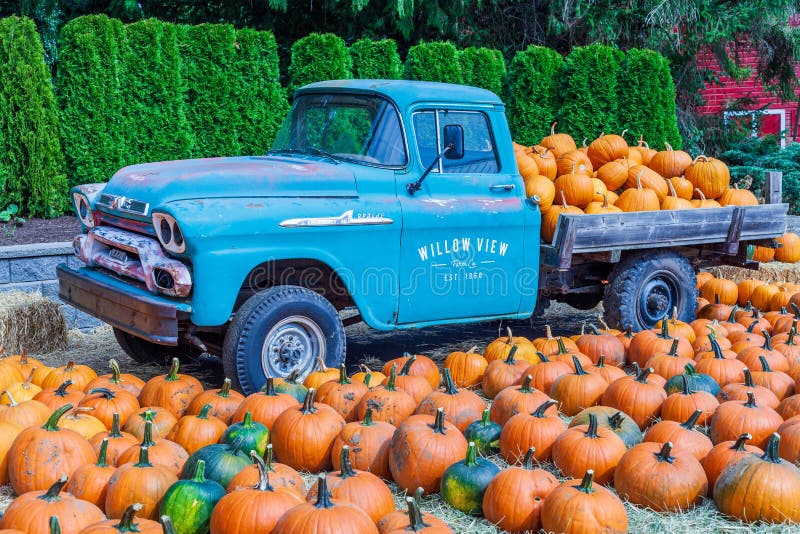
(312, 274)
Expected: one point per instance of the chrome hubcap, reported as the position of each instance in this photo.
(293, 344)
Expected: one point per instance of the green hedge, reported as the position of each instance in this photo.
(376, 60)
(317, 57)
(647, 105)
(590, 92)
(91, 104)
(30, 149)
(534, 76)
(208, 52)
(483, 67)
(259, 96)
(154, 117)
(433, 62)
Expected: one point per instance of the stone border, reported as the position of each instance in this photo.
(32, 267)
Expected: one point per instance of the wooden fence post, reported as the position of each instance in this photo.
(773, 188)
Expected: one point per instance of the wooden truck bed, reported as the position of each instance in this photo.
(611, 234)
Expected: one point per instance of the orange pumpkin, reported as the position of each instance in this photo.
(117, 380)
(763, 254)
(526, 165)
(673, 202)
(224, 402)
(644, 150)
(614, 174)
(550, 217)
(172, 391)
(558, 143)
(670, 162)
(789, 251)
(525, 430)
(140, 482)
(726, 290)
(725, 454)
(466, 368)
(734, 418)
(545, 162)
(709, 175)
(575, 503)
(649, 180)
(461, 406)
(638, 199)
(90, 481)
(280, 475)
(265, 406)
(193, 432)
(700, 201)
(683, 187)
(421, 366)
(79, 374)
(607, 148)
(738, 197)
(369, 444)
(577, 189)
(542, 187)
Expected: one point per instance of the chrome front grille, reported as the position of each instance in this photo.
(123, 204)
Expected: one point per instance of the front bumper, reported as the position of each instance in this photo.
(123, 306)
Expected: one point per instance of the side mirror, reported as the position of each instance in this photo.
(454, 139)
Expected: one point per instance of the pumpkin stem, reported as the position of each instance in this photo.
(764, 364)
(795, 309)
(578, 367)
(690, 423)
(128, 517)
(485, 421)
(321, 367)
(665, 329)
(102, 454)
(449, 386)
(665, 454)
(55, 526)
(510, 337)
(308, 402)
(771, 450)
(392, 377)
(767, 340)
(642, 377)
(510, 357)
(751, 327)
(323, 495)
(471, 459)
(562, 349)
(367, 379)
(367, 417)
(586, 484)
(548, 332)
(748, 378)
(269, 387)
(204, 411)
(542, 357)
(438, 422)
(51, 425)
(415, 521)
(53, 493)
(70, 367)
(526, 384)
(732, 315)
(673, 349)
(346, 468)
(225, 390)
(635, 369)
(672, 191)
(343, 378)
(615, 421)
(407, 365)
(593, 329)
(715, 347)
(166, 522)
(11, 401)
(687, 389)
(114, 365)
(263, 473)
(564, 204)
(716, 298)
(147, 440)
(543, 407)
(105, 392)
(527, 462)
(172, 375)
(751, 400)
(61, 391)
(591, 431)
(115, 433)
(792, 332)
(739, 445)
(629, 331)
(200, 471)
(268, 455)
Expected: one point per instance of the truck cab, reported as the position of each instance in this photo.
(398, 200)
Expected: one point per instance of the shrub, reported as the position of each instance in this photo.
(152, 87)
(259, 95)
(208, 53)
(750, 159)
(534, 99)
(376, 60)
(317, 57)
(647, 107)
(483, 67)
(30, 149)
(90, 101)
(590, 94)
(433, 62)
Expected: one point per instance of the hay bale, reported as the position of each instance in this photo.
(32, 322)
(773, 272)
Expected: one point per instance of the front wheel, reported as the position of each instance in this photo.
(645, 287)
(280, 330)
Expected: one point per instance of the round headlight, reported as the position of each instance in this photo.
(168, 233)
(83, 210)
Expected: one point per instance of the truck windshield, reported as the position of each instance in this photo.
(360, 128)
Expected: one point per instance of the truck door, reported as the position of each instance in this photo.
(462, 237)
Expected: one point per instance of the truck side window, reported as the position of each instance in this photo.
(480, 153)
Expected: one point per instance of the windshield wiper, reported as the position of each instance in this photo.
(306, 150)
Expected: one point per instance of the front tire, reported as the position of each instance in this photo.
(280, 330)
(645, 287)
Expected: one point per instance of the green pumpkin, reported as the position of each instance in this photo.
(621, 423)
(697, 382)
(464, 483)
(223, 462)
(255, 435)
(292, 387)
(191, 501)
(485, 433)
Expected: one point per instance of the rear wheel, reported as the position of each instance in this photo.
(280, 330)
(646, 286)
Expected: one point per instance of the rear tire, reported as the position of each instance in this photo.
(143, 351)
(644, 287)
(280, 330)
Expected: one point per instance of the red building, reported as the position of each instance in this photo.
(774, 115)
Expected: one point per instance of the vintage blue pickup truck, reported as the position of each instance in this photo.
(398, 200)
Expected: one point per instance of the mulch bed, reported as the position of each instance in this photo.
(40, 231)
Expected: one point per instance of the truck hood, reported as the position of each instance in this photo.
(247, 176)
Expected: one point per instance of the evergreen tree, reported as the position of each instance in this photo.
(318, 57)
(534, 100)
(376, 60)
(483, 67)
(434, 62)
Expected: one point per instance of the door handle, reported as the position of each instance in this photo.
(502, 187)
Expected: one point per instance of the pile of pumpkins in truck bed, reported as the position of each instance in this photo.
(609, 176)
